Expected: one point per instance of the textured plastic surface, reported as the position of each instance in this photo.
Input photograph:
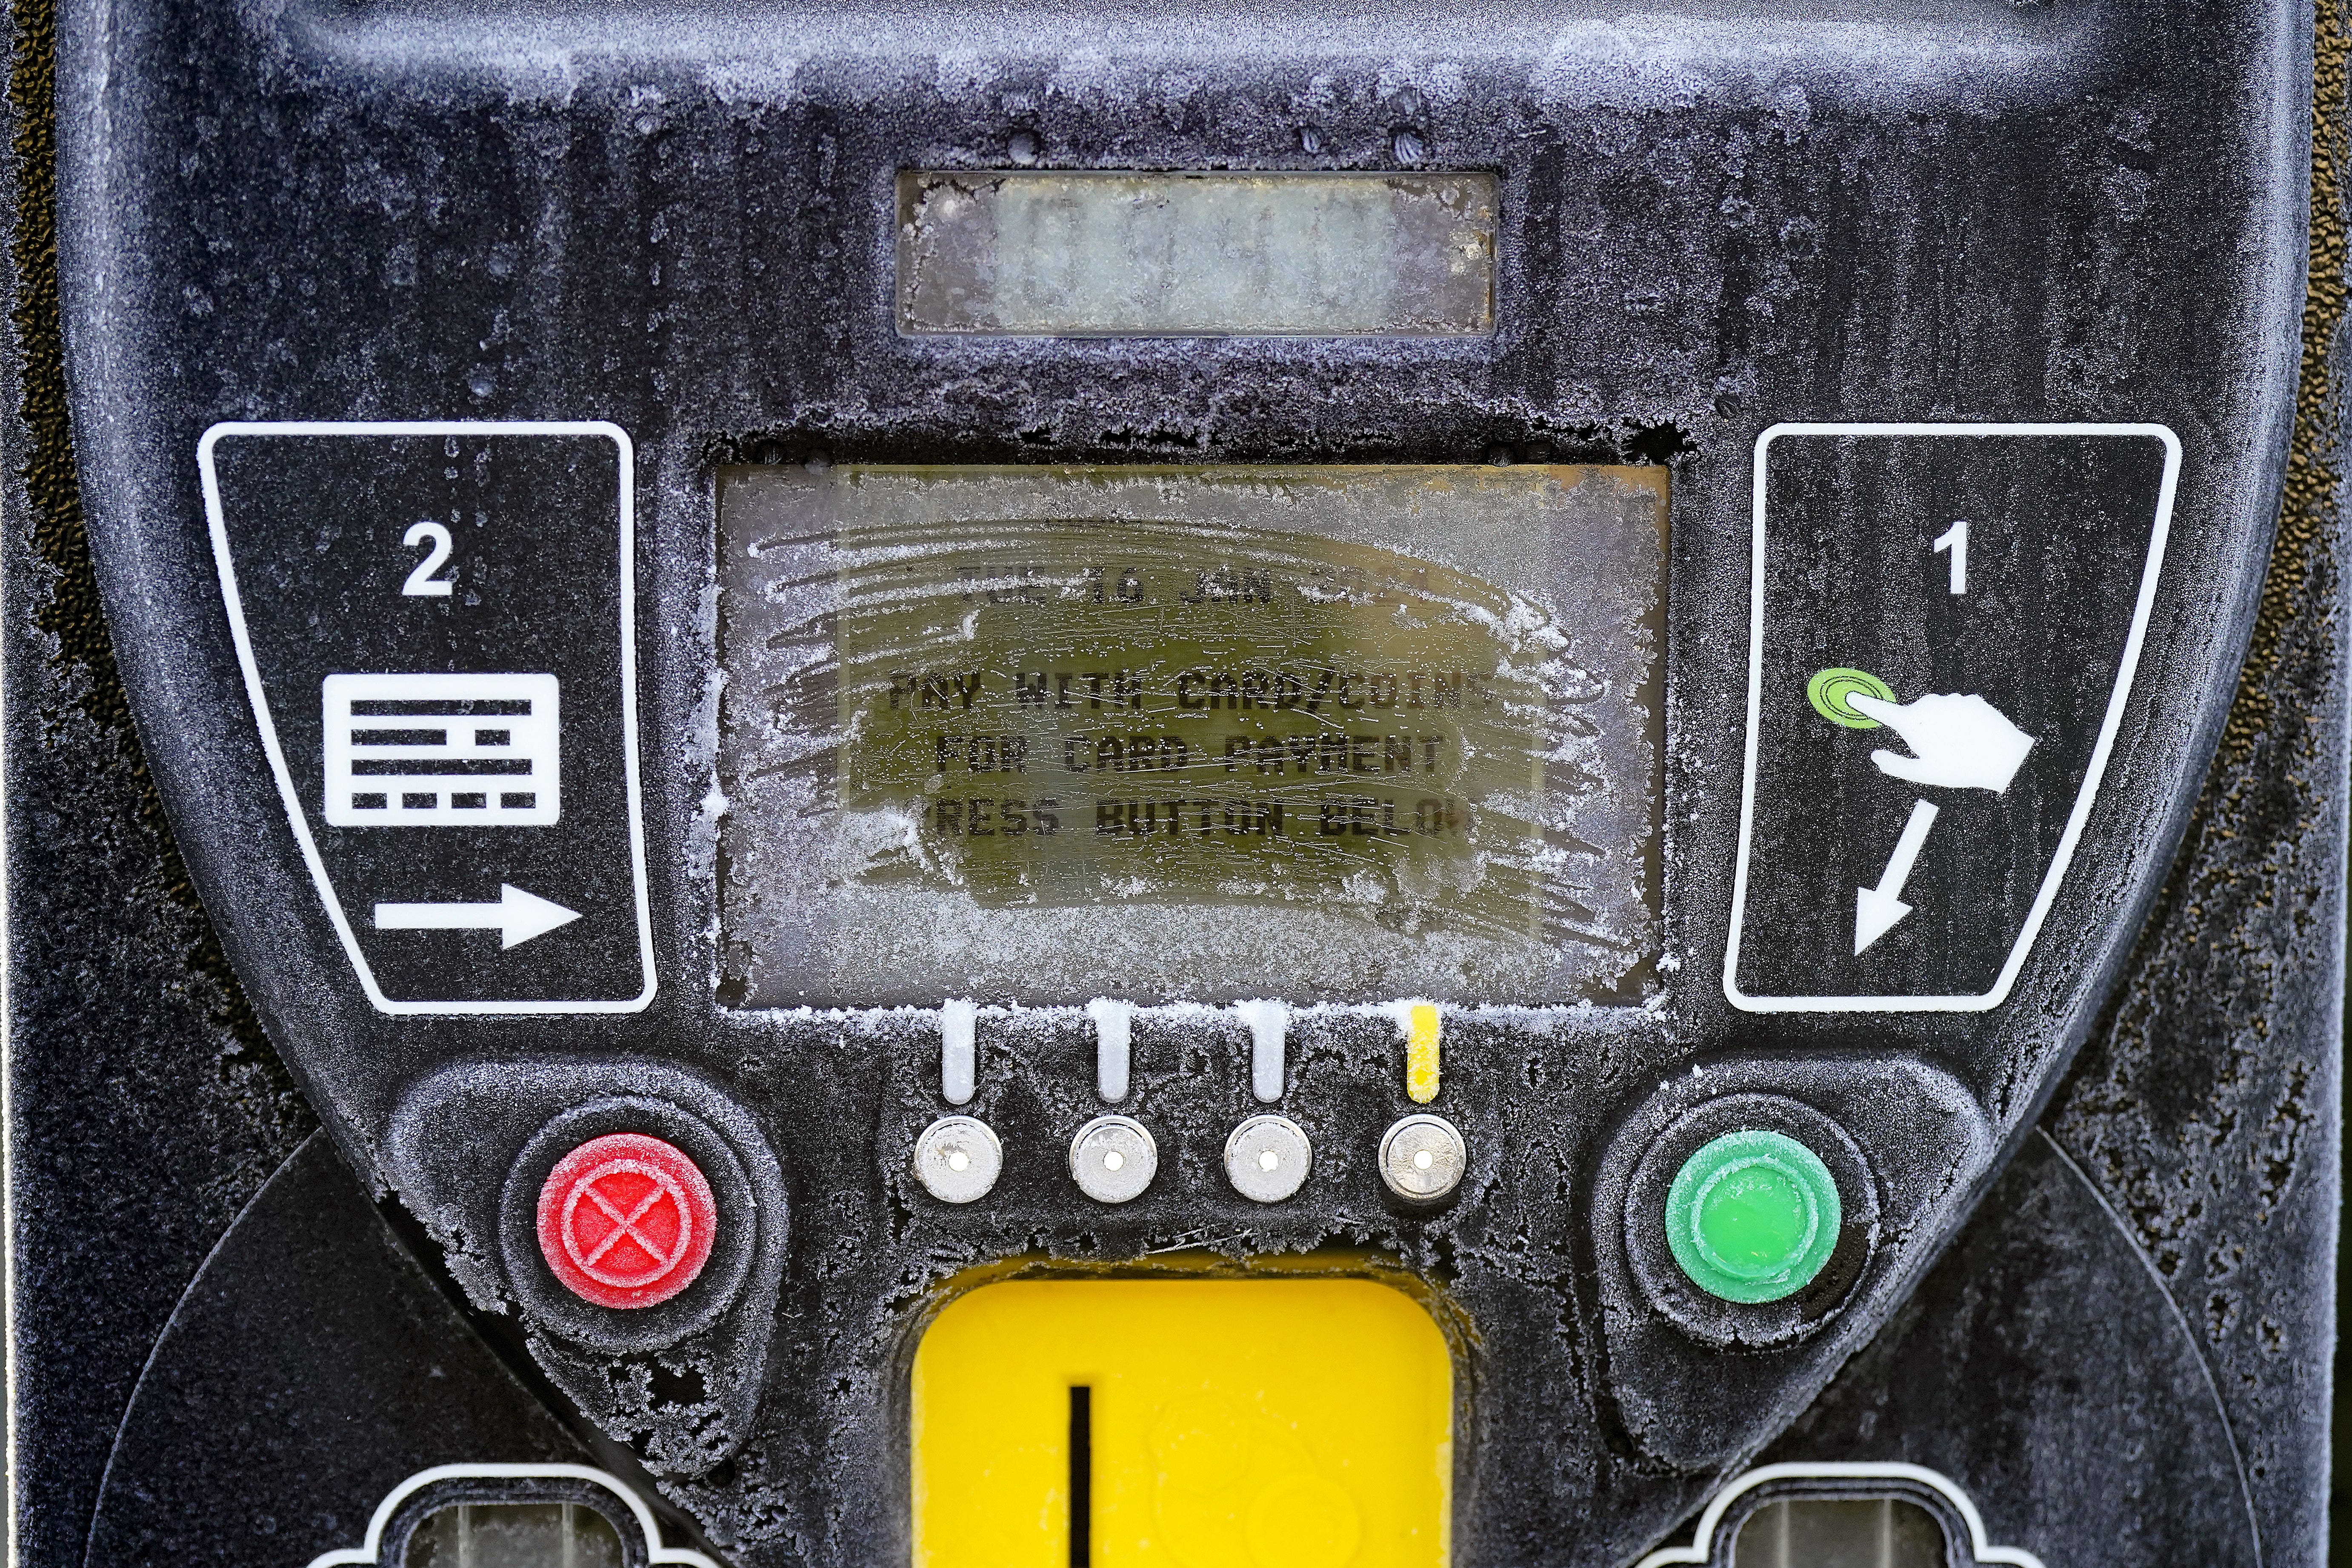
(1710, 224)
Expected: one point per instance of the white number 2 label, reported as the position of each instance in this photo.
(422, 582)
(1955, 539)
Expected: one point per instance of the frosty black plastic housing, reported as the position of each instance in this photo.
(682, 223)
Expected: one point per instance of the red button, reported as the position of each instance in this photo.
(625, 1220)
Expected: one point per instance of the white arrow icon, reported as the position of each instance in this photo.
(516, 917)
(1876, 909)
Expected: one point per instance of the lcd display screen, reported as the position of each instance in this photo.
(1329, 733)
(1111, 254)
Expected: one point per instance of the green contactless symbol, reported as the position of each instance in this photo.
(1753, 1216)
(1829, 690)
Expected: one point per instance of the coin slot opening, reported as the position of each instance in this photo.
(1081, 1475)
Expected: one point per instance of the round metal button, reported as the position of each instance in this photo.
(1422, 1158)
(1113, 1159)
(1268, 1158)
(957, 1159)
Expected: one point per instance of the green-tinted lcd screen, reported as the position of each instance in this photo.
(1322, 734)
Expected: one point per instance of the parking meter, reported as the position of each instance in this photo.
(1020, 787)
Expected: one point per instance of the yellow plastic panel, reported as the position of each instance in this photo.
(1233, 1424)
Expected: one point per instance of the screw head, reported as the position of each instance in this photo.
(626, 1221)
(1422, 1158)
(1268, 1158)
(1113, 1159)
(957, 1159)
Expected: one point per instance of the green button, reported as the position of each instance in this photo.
(1753, 1216)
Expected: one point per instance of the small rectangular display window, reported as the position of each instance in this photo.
(1109, 254)
(1209, 733)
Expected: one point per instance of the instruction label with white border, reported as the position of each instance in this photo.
(435, 626)
(1945, 623)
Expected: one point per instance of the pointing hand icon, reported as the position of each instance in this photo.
(1960, 741)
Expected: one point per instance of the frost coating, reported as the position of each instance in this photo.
(1114, 1024)
(1269, 1024)
(1331, 733)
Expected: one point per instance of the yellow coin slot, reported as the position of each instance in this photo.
(1190, 1423)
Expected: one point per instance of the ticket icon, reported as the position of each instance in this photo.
(442, 751)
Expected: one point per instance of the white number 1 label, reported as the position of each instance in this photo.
(1955, 539)
(422, 584)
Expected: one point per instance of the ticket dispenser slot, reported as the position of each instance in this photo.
(877, 704)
